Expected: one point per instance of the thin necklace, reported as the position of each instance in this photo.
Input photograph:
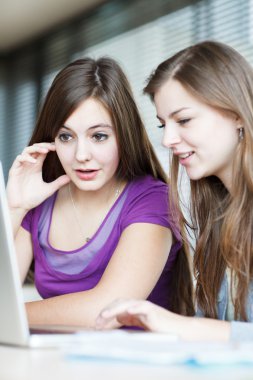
(117, 192)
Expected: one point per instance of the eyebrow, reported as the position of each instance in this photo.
(92, 127)
(172, 114)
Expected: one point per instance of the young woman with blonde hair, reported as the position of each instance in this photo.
(204, 101)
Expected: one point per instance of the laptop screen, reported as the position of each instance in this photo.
(13, 321)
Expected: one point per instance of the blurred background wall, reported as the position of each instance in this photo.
(39, 37)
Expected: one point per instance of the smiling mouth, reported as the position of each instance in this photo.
(185, 155)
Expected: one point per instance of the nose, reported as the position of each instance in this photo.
(83, 151)
(171, 135)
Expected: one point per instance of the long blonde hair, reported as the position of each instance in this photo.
(223, 222)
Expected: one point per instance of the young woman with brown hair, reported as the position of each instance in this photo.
(89, 201)
(204, 100)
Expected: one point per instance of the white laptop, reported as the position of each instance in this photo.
(14, 328)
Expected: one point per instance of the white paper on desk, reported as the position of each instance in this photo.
(122, 345)
(159, 349)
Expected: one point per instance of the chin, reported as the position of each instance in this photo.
(89, 187)
(195, 176)
(86, 185)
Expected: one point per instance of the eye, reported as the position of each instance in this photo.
(98, 137)
(161, 126)
(64, 137)
(183, 121)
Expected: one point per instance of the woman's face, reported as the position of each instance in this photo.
(87, 148)
(203, 138)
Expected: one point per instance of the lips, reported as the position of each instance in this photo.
(185, 155)
(86, 174)
(85, 170)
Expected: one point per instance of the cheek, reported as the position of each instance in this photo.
(64, 154)
(109, 157)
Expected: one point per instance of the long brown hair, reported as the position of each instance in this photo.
(103, 80)
(223, 222)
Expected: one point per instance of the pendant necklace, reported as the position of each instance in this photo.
(87, 239)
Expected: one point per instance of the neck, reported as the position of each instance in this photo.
(101, 198)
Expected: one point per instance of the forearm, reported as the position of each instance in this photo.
(76, 309)
(204, 329)
(16, 215)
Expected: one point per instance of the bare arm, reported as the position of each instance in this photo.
(154, 318)
(24, 251)
(25, 190)
(133, 271)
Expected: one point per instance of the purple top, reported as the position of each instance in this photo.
(144, 200)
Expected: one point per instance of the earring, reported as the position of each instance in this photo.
(241, 133)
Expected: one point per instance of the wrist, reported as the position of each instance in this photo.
(205, 329)
(16, 215)
(18, 211)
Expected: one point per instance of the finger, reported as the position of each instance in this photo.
(40, 148)
(140, 307)
(16, 165)
(136, 313)
(138, 320)
(126, 319)
(16, 162)
(31, 155)
(44, 143)
(139, 311)
(40, 153)
(116, 307)
(36, 157)
(21, 158)
(112, 311)
(59, 182)
(49, 145)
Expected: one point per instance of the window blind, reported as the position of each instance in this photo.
(138, 34)
(3, 107)
(141, 49)
(18, 108)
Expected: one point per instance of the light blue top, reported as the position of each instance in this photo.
(240, 331)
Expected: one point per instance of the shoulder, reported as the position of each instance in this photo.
(150, 192)
(148, 180)
(146, 202)
(148, 185)
(32, 217)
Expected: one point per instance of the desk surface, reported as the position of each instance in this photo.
(51, 364)
(31, 364)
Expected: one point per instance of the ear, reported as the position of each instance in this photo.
(239, 123)
(239, 127)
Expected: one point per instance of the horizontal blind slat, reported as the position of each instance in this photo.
(111, 31)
